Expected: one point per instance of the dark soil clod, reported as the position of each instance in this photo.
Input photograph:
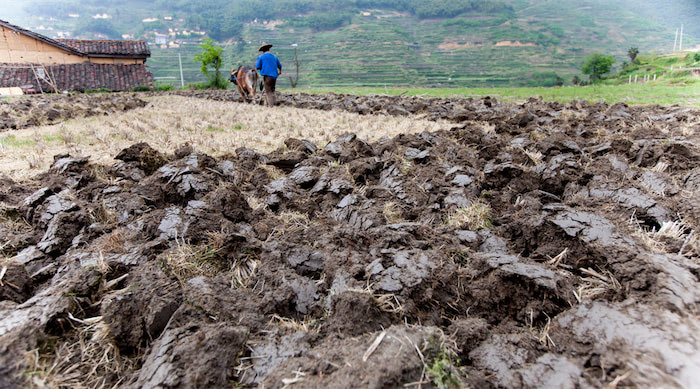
(533, 245)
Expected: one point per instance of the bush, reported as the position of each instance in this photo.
(557, 31)
(544, 79)
(217, 82)
(164, 87)
(198, 86)
(596, 65)
(141, 88)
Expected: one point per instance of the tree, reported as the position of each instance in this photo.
(212, 56)
(632, 53)
(596, 65)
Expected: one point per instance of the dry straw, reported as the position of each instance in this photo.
(212, 127)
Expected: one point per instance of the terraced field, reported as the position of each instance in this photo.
(384, 48)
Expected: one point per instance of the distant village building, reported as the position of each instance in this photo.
(161, 39)
(38, 63)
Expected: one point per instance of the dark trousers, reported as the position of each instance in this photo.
(270, 90)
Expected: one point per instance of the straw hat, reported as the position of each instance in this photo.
(265, 46)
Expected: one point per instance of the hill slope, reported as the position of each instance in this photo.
(376, 43)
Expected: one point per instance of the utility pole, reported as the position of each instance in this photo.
(182, 79)
(675, 41)
(680, 45)
(294, 82)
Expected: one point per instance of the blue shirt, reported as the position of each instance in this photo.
(268, 64)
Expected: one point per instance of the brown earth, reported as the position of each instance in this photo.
(22, 112)
(555, 246)
(514, 44)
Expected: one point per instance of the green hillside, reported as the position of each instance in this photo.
(447, 43)
(542, 41)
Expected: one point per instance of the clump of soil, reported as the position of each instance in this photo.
(532, 245)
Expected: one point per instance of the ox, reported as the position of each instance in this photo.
(246, 79)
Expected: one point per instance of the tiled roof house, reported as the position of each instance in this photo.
(35, 62)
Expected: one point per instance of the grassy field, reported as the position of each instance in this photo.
(212, 127)
(684, 94)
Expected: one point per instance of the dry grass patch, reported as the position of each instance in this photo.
(89, 359)
(475, 217)
(542, 334)
(254, 202)
(573, 115)
(306, 324)
(273, 172)
(595, 284)
(672, 237)
(386, 302)
(534, 155)
(296, 220)
(392, 212)
(187, 261)
(212, 127)
(13, 221)
(113, 242)
(102, 215)
(243, 269)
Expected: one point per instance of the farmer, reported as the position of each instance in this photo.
(270, 68)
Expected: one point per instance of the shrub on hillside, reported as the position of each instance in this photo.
(596, 65)
(164, 87)
(544, 79)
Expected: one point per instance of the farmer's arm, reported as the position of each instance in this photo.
(258, 64)
(279, 66)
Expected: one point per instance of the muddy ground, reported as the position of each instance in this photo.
(28, 111)
(533, 245)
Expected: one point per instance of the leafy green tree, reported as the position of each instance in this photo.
(632, 53)
(212, 56)
(596, 65)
